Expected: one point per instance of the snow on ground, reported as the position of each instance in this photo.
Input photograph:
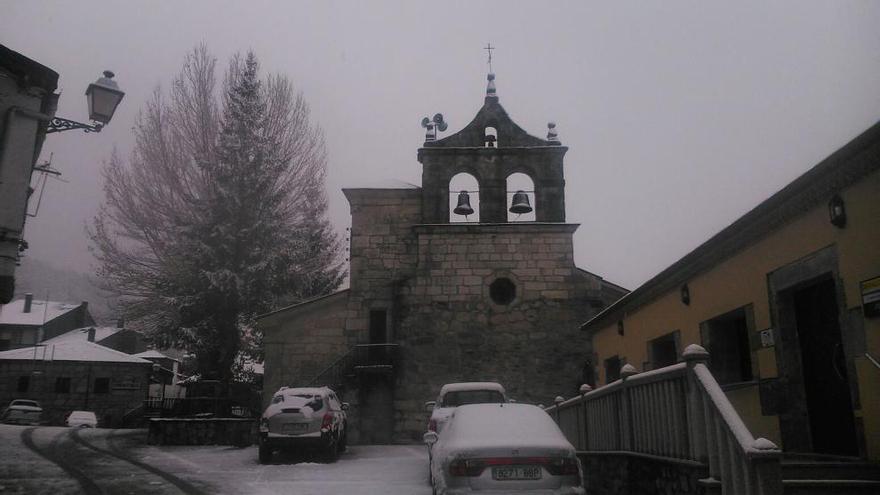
(362, 470)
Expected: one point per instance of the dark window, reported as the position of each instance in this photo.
(378, 324)
(726, 337)
(23, 383)
(502, 291)
(62, 385)
(4, 344)
(102, 385)
(612, 369)
(663, 351)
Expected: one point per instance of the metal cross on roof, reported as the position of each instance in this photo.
(489, 49)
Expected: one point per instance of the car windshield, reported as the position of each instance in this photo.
(28, 403)
(462, 397)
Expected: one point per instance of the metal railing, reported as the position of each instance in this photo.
(677, 412)
(361, 358)
(873, 360)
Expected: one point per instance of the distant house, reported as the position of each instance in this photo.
(75, 375)
(117, 338)
(26, 322)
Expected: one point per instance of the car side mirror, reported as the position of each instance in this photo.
(345, 406)
(430, 437)
(429, 406)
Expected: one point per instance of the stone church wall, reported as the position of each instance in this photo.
(451, 330)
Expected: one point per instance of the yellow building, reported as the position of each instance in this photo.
(787, 302)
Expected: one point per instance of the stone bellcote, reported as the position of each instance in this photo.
(491, 148)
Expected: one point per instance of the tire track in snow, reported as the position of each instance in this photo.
(117, 453)
(87, 484)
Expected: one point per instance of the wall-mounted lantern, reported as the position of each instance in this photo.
(685, 293)
(837, 211)
(103, 97)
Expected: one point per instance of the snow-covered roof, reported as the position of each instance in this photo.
(481, 426)
(71, 351)
(13, 313)
(383, 184)
(82, 335)
(154, 354)
(458, 387)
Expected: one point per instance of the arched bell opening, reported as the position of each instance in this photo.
(491, 137)
(520, 198)
(464, 198)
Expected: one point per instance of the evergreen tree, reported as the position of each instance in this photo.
(227, 216)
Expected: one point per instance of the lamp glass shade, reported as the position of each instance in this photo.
(103, 96)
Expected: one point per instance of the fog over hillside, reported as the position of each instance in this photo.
(41, 278)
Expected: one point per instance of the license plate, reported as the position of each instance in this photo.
(516, 473)
(294, 428)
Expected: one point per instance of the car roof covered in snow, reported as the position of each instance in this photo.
(303, 391)
(475, 426)
(458, 387)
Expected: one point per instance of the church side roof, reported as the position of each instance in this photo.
(304, 304)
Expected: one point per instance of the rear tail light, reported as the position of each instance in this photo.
(432, 425)
(469, 467)
(562, 466)
(327, 422)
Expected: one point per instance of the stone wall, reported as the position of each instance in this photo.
(127, 388)
(299, 345)
(451, 330)
(212, 431)
(616, 473)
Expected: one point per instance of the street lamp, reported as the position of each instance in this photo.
(103, 96)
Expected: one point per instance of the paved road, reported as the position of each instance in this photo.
(55, 460)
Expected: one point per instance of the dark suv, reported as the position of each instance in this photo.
(311, 419)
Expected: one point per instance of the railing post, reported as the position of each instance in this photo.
(765, 460)
(583, 436)
(558, 402)
(626, 440)
(693, 355)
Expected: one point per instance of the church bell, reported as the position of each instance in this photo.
(520, 203)
(464, 205)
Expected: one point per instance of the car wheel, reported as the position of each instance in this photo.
(331, 451)
(265, 453)
(343, 443)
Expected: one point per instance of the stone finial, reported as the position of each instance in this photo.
(559, 400)
(763, 444)
(585, 388)
(490, 86)
(695, 353)
(627, 370)
(552, 135)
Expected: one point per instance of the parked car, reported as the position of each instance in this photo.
(453, 395)
(311, 419)
(506, 448)
(22, 412)
(82, 419)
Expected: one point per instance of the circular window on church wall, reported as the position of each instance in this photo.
(502, 291)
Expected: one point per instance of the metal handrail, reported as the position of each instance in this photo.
(873, 360)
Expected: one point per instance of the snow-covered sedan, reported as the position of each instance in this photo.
(453, 395)
(22, 412)
(82, 419)
(304, 419)
(503, 448)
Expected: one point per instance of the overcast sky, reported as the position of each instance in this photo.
(680, 116)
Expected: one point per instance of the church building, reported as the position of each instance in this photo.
(470, 277)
